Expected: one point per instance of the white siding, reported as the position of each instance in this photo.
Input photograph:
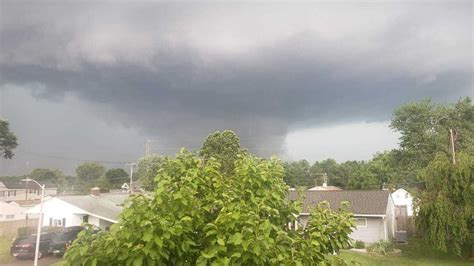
(372, 233)
(23, 194)
(57, 209)
(403, 198)
(390, 218)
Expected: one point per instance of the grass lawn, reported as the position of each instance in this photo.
(5, 250)
(414, 253)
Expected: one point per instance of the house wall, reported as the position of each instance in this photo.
(390, 218)
(373, 232)
(16, 216)
(23, 194)
(105, 225)
(11, 212)
(57, 209)
(403, 198)
(94, 221)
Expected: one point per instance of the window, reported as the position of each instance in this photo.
(361, 222)
(10, 216)
(58, 222)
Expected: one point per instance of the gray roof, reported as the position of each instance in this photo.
(18, 184)
(106, 205)
(369, 202)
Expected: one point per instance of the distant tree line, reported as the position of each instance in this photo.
(424, 129)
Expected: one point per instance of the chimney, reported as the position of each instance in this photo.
(95, 191)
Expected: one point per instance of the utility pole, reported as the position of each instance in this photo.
(452, 145)
(325, 179)
(27, 179)
(131, 165)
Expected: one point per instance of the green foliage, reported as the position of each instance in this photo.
(298, 174)
(198, 216)
(224, 147)
(116, 177)
(382, 247)
(147, 169)
(424, 128)
(89, 175)
(90, 171)
(350, 174)
(445, 207)
(8, 140)
(49, 175)
(359, 244)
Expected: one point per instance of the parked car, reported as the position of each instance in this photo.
(63, 240)
(24, 246)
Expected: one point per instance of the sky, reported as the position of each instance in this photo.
(93, 80)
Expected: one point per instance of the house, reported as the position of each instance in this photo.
(101, 210)
(405, 224)
(372, 209)
(14, 190)
(401, 198)
(11, 212)
(13, 217)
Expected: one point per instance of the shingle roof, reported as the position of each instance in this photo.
(107, 206)
(370, 202)
(16, 184)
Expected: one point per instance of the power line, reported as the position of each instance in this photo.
(70, 158)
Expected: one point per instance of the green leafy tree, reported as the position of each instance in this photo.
(8, 140)
(224, 147)
(445, 207)
(88, 175)
(49, 175)
(424, 129)
(363, 178)
(298, 174)
(199, 216)
(333, 171)
(147, 169)
(116, 177)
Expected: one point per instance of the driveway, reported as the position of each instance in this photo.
(42, 262)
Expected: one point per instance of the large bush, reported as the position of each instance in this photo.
(196, 215)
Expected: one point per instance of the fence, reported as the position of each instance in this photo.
(10, 228)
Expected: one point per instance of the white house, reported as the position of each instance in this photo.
(14, 190)
(401, 197)
(101, 210)
(11, 212)
(372, 209)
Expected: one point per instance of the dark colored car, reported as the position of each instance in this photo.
(63, 240)
(24, 246)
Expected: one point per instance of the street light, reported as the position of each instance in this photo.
(40, 222)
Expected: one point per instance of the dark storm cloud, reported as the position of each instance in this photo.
(179, 71)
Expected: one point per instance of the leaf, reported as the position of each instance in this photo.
(221, 241)
(159, 242)
(138, 261)
(236, 239)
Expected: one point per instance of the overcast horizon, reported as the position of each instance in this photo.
(95, 80)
